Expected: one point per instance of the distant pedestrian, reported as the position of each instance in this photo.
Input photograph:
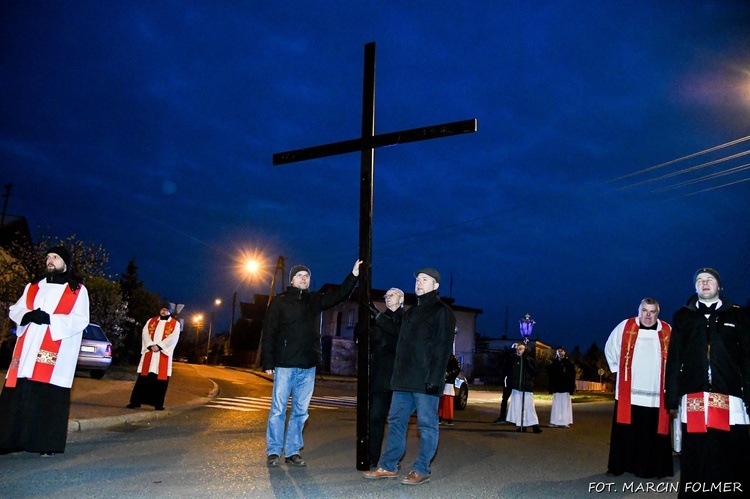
(507, 389)
(51, 316)
(636, 352)
(521, 379)
(708, 379)
(425, 342)
(445, 409)
(383, 341)
(562, 385)
(159, 338)
(291, 352)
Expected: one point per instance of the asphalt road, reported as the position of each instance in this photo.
(218, 450)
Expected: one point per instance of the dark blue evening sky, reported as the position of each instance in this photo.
(149, 127)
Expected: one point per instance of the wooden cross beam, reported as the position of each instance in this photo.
(366, 145)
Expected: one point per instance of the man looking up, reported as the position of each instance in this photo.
(291, 352)
(708, 379)
(51, 316)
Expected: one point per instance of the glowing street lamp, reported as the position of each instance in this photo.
(526, 325)
(198, 323)
(217, 302)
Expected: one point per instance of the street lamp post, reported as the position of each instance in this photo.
(217, 302)
(198, 323)
(280, 264)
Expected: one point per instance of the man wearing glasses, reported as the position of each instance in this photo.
(383, 340)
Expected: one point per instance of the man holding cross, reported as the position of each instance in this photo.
(291, 352)
(425, 343)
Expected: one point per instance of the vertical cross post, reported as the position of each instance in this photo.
(366, 146)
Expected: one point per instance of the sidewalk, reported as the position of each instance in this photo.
(101, 403)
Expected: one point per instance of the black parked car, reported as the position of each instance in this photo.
(95, 354)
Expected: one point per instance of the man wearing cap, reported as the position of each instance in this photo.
(425, 343)
(708, 386)
(636, 352)
(291, 352)
(158, 341)
(51, 316)
(562, 384)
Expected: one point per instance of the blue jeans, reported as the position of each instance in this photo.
(300, 384)
(403, 405)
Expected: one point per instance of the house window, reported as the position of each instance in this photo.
(350, 323)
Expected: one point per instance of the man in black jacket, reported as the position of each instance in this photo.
(291, 352)
(521, 379)
(424, 344)
(562, 384)
(708, 379)
(383, 341)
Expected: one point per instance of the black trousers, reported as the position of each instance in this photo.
(380, 403)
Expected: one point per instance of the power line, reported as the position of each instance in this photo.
(686, 170)
(689, 156)
(705, 177)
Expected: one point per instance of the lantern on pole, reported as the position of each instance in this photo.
(526, 325)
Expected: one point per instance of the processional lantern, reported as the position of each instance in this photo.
(526, 325)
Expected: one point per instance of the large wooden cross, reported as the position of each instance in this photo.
(366, 145)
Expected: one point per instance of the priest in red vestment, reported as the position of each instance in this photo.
(158, 340)
(51, 316)
(636, 352)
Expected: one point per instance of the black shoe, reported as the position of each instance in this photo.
(133, 406)
(295, 460)
(612, 473)
(536, 428)
(519, 430)
(46, 454)
(160, 408)
(273, 460)
(499, 420)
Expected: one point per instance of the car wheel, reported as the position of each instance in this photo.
(462, 398)
(97, 373)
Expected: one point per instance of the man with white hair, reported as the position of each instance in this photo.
(383, 341)
(636, 352)
(425, 343)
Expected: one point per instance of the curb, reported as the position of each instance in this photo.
(77, 425)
